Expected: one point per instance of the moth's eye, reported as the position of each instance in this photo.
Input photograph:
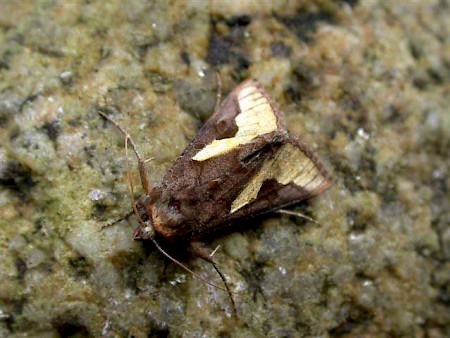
(147, 231)
(144, 232)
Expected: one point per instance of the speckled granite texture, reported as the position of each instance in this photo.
(366, 83)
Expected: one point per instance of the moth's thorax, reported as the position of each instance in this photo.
(168, 220)
(159, 216)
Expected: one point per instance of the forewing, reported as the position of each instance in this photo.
(197, 191)
(293, 174)
(249, 112)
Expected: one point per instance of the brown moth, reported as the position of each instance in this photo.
(243, 162)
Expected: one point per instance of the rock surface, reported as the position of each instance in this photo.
(366, 83)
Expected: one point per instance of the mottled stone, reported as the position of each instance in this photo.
(366, 83)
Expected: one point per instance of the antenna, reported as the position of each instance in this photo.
(145, 181)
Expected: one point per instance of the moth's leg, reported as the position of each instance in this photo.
(214, 251)
(296, 214)
(199, 250)
(148, 160)
(219, 92)
(145, 181)
(118, 220)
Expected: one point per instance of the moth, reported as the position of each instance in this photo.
(243, 162)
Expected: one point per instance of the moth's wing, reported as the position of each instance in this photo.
(248, 113)
(247, 121)
(293, 174)
(197, 191)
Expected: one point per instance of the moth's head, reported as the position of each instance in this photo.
(144, 232)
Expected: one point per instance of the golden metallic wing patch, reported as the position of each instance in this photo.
(290, 165)
(256, 117)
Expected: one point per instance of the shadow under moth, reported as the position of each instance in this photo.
(242, 163)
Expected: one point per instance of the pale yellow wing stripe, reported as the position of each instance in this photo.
(289, 165)
(256, 118)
